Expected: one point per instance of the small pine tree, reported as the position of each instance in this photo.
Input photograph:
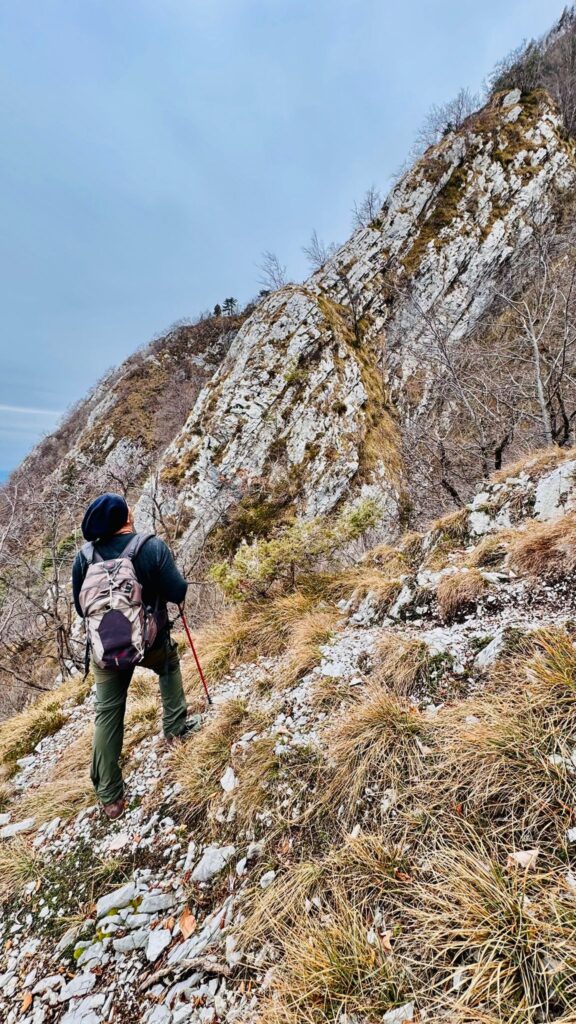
(217, 309)
(230, 306)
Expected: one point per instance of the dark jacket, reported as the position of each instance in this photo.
(154, 566)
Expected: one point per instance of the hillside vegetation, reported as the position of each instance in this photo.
(370, 480)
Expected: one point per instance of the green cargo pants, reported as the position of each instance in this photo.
(111, 693)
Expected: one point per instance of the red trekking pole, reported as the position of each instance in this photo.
(193, 649)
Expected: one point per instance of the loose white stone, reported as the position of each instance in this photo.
(159, 1015)
(116, 900)
(136, 940)
(92, 954)
(45, 984)
(156, 904)
(400, 1014)
(80, 985)
(213, 860)
(119, 842)
(159, 939)
(267, 879)
(17, 827)
(228, 781)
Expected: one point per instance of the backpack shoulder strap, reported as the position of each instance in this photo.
(90, 554)
(135, 545)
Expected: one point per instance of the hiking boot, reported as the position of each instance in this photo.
(191, 725)
(115, 810)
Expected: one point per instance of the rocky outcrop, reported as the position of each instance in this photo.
(130, 416)
(301, 396)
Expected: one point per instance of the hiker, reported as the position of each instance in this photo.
(121, 582)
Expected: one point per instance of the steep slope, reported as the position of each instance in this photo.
(293, 861)
(301, 395)
(134, 411)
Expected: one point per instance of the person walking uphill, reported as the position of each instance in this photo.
(121, 582)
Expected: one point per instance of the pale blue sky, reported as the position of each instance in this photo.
(151, 149)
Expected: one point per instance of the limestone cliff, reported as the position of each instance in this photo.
(319, 383)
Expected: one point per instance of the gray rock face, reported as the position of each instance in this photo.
(555, 491)
(296, 395)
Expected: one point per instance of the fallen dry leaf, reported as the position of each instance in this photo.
(26, 1002)
(169, 923)
(187, 923)
(385, 940)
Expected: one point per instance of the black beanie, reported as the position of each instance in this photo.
(105, 516)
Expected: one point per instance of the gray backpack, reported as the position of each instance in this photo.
(119, 628)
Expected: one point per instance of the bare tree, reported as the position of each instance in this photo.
(367, 210)
(36, 612)
(507, 385)
(445, 117)
(318, 252)
(538, 335)
(272, 272)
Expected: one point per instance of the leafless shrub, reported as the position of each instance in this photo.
(318, 252)
(445, 117)
(272, 272)
(367, 210)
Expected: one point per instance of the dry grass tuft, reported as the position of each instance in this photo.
(256, 770)
(22, 732)
(447, 535)
(495, 763)
(68, 788)
(199, 764)
(534, 464)
(307, 635)
(220, 645)
(332, 971)
(19, 864)
(328, 692)
(511, 934)
(401, 662)
(246, 632)
(364, 866)
(491, 551)
(459, 593)
(411, 547)
(373, 743)
(453, 527)
(387, 559)
(507, 757)
(356, 583)
(545, 549)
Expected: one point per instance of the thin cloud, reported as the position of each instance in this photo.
(25, 410)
